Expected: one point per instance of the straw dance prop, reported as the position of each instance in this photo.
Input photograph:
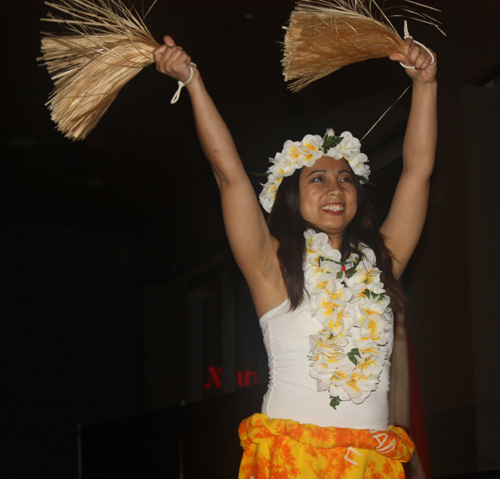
(107, 45)
(326, 35)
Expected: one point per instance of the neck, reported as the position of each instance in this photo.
(335, 241)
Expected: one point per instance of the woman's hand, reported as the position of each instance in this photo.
(173, 61)
(414, 55)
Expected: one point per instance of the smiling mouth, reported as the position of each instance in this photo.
(335, 207)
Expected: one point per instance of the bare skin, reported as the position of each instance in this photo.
(328, 198)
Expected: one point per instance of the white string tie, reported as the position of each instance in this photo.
(183, 84)
(407, 35)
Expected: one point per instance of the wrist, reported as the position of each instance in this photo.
(195, 82)
(194, 75)
(425, 85)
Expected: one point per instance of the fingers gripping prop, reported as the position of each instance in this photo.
(407, 35)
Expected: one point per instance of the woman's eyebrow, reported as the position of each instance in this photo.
(316, 171)
(324, 171)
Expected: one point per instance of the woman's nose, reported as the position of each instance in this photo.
(335, 189)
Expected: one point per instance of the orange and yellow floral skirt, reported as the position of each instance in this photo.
(285, 449)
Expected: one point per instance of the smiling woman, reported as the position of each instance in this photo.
(328, 197)
(323, 277)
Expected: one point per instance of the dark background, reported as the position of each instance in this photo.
(104, 242)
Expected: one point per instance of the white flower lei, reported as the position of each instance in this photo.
(347, 356)
(297, 154)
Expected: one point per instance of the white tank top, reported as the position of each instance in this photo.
(292, 392)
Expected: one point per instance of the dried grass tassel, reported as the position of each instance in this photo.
(108, 45)
(325, 35)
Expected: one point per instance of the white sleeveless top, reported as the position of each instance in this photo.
(292, 392)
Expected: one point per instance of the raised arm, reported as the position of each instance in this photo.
(251, 243)
(405, 221)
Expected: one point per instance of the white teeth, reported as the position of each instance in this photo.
(333, 207)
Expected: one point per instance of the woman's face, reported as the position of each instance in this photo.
(328, 197)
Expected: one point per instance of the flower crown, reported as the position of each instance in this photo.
(297, 154)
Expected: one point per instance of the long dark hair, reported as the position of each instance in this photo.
(287, 225)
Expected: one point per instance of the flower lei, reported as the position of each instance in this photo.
(297, 154)
(348, 354)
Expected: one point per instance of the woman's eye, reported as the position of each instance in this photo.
(317, 178)
(346, 179)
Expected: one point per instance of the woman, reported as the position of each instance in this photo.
(321, 278)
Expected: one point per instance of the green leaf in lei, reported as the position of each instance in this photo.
(374, 296)
(255, 173)
(366, 180)
(331, 142)
(350, 272)
(340, 274)
(342, 263)
(335, 402)
(352, 355)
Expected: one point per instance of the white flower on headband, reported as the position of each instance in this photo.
(297, 154)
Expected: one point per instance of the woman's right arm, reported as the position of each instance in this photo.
(251, 242)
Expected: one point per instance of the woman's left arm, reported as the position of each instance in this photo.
(404, 223)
